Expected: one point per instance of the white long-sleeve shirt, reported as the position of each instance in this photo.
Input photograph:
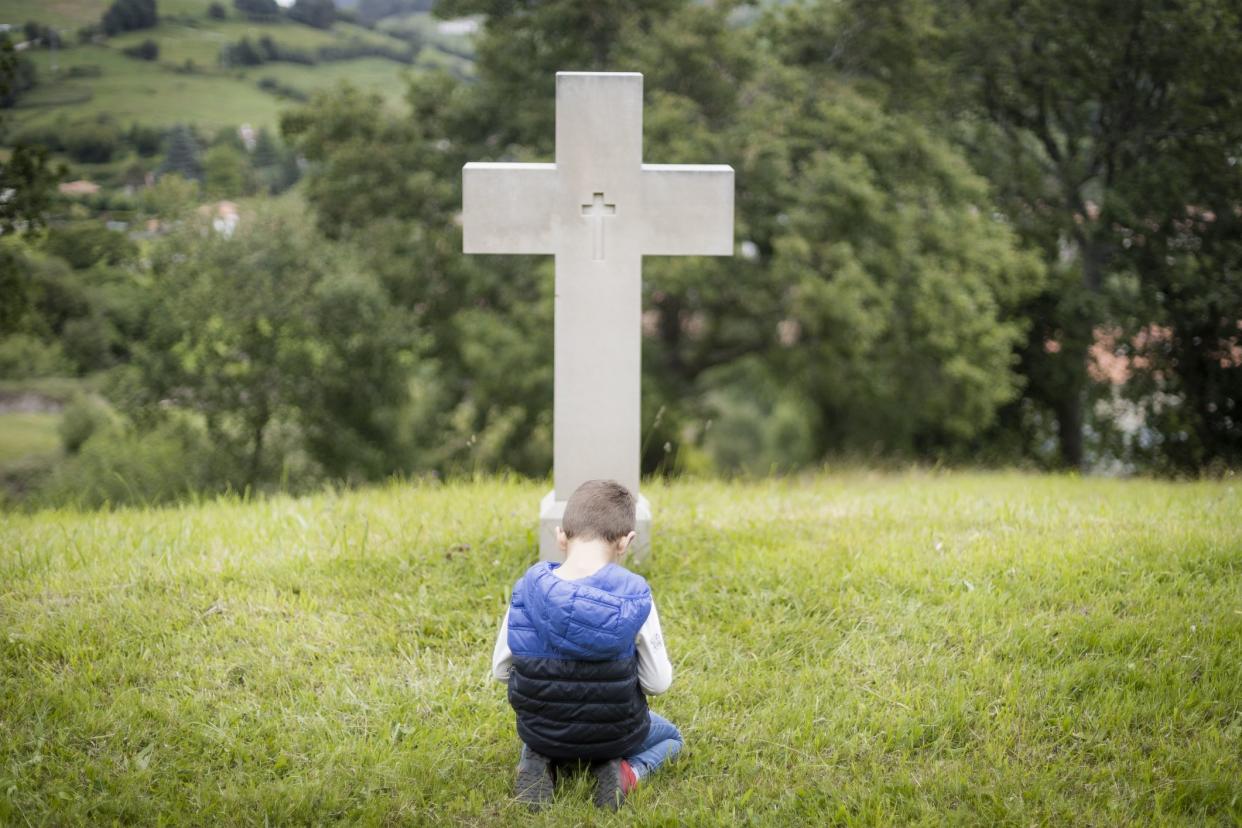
(655, 671)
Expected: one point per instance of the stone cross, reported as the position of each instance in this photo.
(598, 210)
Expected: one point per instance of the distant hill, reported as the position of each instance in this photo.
(189, 83)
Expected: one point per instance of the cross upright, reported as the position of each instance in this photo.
(598, 210)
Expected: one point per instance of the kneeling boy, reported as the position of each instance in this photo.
(580, 649)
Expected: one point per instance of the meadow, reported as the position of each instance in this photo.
(850, 648)
(187, 84)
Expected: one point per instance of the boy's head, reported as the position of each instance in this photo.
(600, 510)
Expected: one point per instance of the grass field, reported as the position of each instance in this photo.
(160, 94)
(25, 434)
(73, 14)
(851, 649)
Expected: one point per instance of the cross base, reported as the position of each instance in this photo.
(552, 510)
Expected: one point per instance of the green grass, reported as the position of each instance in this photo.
(27, 434)
(134, 92)
(853, 649)
(158, 94)
(72, 14)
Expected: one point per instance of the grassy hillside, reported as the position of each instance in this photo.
(187, 84)
(23, 434)
(76, 13)
(856, 649)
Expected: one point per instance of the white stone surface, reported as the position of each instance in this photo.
(598, 210)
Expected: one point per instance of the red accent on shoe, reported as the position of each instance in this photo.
(629, 779)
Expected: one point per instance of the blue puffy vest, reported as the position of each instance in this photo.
(574, 681)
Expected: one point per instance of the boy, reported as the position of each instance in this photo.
(579, 648)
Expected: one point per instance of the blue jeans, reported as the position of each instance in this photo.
(663, 742)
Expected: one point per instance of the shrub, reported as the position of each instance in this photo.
(128, 16)
(241, 53)
(146, 140)
(355, 49)
(21, 75)
(216, 11)
(92, 142)
(275, 51)
(84, 417)
(20, 479)
(89, 33)
(246, 52)
(23, 356)
(146, 50)
(320, 14)
(84, 70)
(182, 154)
(86, 243)
(50, 136)
(87, 342)
(258, 9)
(282, 90)
(121, 466)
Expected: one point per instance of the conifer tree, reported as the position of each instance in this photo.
(183, 155)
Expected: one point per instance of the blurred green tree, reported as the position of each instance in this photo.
(226, 172)
(182, 154)
(129, 15)
(280, 343)
(1108, 132)
(320, 14)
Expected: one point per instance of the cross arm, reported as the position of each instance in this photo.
(507, 208)
(689, 210)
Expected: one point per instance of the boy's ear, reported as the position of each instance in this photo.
(562, 542)
(623, 545)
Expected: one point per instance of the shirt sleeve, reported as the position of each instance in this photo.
(655, 671)
(502, 658)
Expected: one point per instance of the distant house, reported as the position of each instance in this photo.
(248, 136)
(460, 27)
(81, 187)
(223, 215)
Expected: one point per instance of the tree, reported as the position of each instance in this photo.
(17, 74)
(172, 197)
(241, 53)
(182, 155)
(371, 12)
(128, 16)
(27, 176)
(216, 11)
(146, 50)
(266, 152)
(318, 13)
(899, 282)
(1100, 125)
(278, 343)
(225, 172)
(258, 9)
(30, 178)
(275, 167)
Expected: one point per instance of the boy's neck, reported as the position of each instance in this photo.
(586, 557)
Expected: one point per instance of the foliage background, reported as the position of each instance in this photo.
(949, 218)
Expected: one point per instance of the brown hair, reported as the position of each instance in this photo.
(599, 509)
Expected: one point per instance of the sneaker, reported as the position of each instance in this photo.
(535, 782)
(614, 781)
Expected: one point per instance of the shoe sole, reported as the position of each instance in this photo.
(608, 792)
(534, 786)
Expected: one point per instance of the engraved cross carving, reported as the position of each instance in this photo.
(596, 211)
